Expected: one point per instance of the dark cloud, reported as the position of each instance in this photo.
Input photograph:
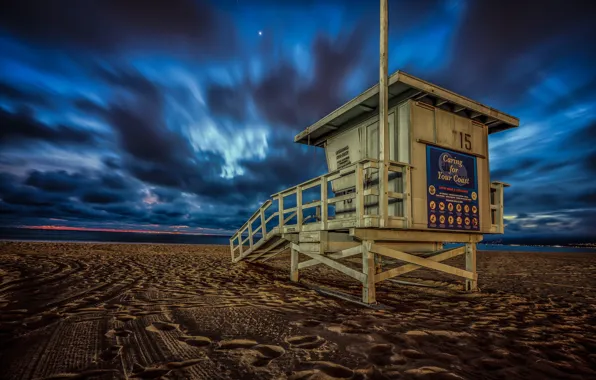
(588, 198)
(284, 98)
(103, 196)
(583, 138)
(590, 161)
(22, 128)
(227, 101)
(20, 96)
(116, 25)
(507, 45)
(516, 169)
(58, 181)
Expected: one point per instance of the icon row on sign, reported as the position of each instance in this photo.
(458, 207)
(451, 219)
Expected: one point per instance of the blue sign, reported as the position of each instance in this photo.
(452, 191)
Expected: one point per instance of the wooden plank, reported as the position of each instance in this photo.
(359, 195)
(409, 235)
(344, 223)
(270, 218)
(395, 169)
(446, 255)
(334, 264)
(299, 213)
(407, 188)
(280, 212)
(371, 165)
(254, 256)
(272, 255)
(418, 261)
(371, 191)
(256, 214)
(396, 222)
(232, 248)
(312, 183)
(311, 204)
(394, 195)
(339, 255)
(250, 235)
(263, 225)
(293, 214)
(383, 117)
(342, 198)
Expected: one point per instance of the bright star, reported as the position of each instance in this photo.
(260, 33)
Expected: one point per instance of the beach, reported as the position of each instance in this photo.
(117, 311)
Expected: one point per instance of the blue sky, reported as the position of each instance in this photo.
(181, 114)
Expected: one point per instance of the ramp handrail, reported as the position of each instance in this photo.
(362, 170)
(262, 228)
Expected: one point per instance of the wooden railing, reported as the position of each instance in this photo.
(363, 171)
(497, 190)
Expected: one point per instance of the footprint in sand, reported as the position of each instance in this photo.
(307, 323)
(322, 370)
(266, 353)
(120, 332)
(382, 355)
(196, 341)
(161, 326)
(236, 343)
(430, 372)
(307, 342)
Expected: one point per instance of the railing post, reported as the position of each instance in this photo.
(407, 199)
(281, 213)
(241, 242)
(232, 247)
(324, 186)
(299, 207)
(359, 195)
(263, 227)
(250, 233)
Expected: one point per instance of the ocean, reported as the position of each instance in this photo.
(23, 234)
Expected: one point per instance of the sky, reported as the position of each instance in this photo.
(180, 115)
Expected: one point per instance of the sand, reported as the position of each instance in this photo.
(112, 311)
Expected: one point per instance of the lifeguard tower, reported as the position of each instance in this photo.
(408, 171)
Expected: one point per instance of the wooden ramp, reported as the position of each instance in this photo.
(258, 244)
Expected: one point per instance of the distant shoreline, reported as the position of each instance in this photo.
(481, 246)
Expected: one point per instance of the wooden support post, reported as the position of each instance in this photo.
(500, 195)
(294, 276)
(383, 120)
(471, 285)
(368, 268)
(324, 208)
(378, 264)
